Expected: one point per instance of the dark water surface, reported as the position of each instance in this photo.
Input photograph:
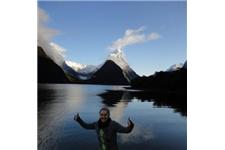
(160, 120)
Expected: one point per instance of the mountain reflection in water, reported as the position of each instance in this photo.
(177, 101)
(160, 119)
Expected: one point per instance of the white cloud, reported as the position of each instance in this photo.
(44, 32)
(45, 35)
(153, 36)
(133, 36)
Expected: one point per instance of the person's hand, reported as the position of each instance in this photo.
(76, 116)
(130, 123)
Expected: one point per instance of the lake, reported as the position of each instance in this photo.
(160, 120)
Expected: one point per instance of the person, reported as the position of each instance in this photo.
(106, 129)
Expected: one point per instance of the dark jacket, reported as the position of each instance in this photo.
(107, 133)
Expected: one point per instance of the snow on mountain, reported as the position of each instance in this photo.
(85, 72)
(81, 68)
(118, 57)
(175, 67)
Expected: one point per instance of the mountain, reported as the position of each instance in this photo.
(79, 71)
(175, 67)
(185, 65)
(118, 58)
(74, 74)
(48, 70)
(175, 81)
(109, 73)
(68, 70)
(115, 70)
(81, 68)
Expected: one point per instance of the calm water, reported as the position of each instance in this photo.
(159, 124)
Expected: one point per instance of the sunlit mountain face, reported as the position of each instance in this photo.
(81, 68)
(175, 67)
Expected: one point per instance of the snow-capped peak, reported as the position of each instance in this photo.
(175, 67)
(76, 66)
(81, 68)
(118, 57)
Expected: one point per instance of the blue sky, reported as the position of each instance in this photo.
(87, 29)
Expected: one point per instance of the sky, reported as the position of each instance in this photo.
(152, 35)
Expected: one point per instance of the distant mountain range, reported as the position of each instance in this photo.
(174, 80)
(83, 73)
(82, 69)
(114, 71)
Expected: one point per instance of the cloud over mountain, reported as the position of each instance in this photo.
(133, 36)
(45, 36)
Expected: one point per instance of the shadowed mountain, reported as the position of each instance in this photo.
(48, 70)
(109, 73)
(163, 81)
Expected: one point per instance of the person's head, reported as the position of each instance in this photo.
(104, 114)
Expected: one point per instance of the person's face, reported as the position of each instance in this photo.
(104, 116)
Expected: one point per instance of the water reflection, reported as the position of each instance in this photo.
(118, 100)
(50, 115)
(177, 101)
(138, 135)
(156, 125)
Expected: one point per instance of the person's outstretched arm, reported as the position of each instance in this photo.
(122, 129)
(84, 124)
